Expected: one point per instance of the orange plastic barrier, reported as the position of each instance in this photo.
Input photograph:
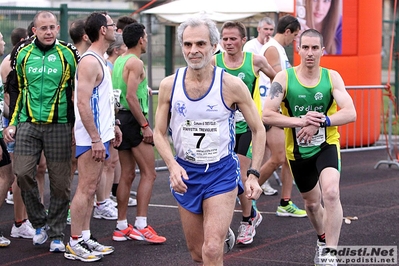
(359, 64)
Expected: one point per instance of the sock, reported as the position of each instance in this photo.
(114, 189)
(86, 234)
(141, 222)
(101, 204)
(322, 238)
(247, 219)
(284, 202)
(19, 223)
(121, 225)
(74, 239)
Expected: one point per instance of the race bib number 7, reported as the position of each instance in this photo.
(200, 141)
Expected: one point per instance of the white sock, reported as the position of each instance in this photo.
(86, 234)
(141, 222)
(101, 204)
(121, 225)
(73, 242)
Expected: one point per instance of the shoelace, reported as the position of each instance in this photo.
(85, 246)
(245, 229)
(294, 206)
(93, 240)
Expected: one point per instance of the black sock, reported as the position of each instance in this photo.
(19, 223)
(247, 219)
(114, 189)
(284, 202)
(322, 238)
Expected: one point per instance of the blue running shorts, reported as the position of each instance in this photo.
(82, 149)
(208, 180)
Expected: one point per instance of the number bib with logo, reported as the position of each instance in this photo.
(317, 138)
(201, 141)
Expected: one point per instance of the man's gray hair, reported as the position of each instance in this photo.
(266, 20)
(198, 21)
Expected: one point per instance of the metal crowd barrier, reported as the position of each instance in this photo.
(373, 135)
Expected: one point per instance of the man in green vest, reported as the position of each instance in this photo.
(246, 66)
(129, 79)
(310, 97)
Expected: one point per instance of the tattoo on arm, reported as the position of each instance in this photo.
(275, 90)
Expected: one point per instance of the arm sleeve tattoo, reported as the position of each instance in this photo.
(275, 90)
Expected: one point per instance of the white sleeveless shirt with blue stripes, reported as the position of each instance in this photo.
(102, 107)
(203, 129)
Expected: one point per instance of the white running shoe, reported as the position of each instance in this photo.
(246, 233)
(4, 242)
(25, 230)
(131, 203)
(319, 252)
(268, 190)
(41, 235)
(111, 202)
(57, 246)
(230, 240)
(98, 248)
(81, 252)
(106, 211)
(10, 198)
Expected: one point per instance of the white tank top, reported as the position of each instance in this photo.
(102, 107)
(283, 62)
(203, 130)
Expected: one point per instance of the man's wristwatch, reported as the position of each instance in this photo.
(254, 172)
(117, 122)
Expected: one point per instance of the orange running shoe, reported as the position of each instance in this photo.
(148, 234)
(127, 234)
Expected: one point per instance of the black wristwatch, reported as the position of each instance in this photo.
(117, 122)
(254, 172)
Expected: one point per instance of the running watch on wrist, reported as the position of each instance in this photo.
(254, 172)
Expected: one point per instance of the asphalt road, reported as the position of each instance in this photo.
(368, 193)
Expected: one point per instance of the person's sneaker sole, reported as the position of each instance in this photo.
(270, 193)
(70, 256)
(121, 238)
(10, 202)
(245, 242)
(104, 217)
(288, 214)
(100, 216)
(230, 240)
(74, 257)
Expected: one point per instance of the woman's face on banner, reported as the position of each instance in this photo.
(320, 10)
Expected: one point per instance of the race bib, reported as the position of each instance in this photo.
(317, 138)
(117, 99)
(201, 141)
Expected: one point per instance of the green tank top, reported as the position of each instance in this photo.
(298, 100)
(119, 84)
(247, 74)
